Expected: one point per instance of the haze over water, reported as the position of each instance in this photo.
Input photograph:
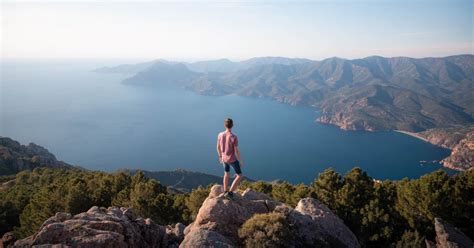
(92, 120)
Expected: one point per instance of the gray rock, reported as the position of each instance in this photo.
(219, 219)
(99, 227)
(93, 210)
(114, 211)
(206, 238)
(329, 223)
(251, 195)
(130, 213)
(216, 190)
(7, 239)
(447, 236)
(174, 235)
(226, 216)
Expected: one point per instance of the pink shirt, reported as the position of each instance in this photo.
(228, 141)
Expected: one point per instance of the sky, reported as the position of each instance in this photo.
(196, 30)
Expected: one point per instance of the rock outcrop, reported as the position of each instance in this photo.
(15, 157)
(217, 224)
(447, 236)
(7, 240)
(325, 222)
(100, 227)
(462, 155)
(219, 219)
(459, 139)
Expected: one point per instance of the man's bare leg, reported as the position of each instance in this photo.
(226, 180)
(236, 182)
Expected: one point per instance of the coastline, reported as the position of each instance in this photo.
(413, 135)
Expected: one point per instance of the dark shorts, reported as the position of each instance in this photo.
(235, 165)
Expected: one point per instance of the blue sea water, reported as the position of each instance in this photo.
(92, 120)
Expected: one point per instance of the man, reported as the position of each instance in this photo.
(229, 155)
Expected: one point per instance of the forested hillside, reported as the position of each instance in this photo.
(379, 213)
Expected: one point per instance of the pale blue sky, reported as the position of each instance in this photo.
(238, 30)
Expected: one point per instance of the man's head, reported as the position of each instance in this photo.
(228, 123)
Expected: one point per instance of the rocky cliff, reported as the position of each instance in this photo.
(216, 225)
(15, 157)
(462, 155)
(447, 236)
(460, 140)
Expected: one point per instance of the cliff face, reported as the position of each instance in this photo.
(449, 236)
(462, 155)
(461, 142)
(216, 225)
(15, 157)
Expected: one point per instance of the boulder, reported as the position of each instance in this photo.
(225, 216)
(329, 223)
(206, 238)
(447, 236)
(7, 239)
(219, 219)
(174, 235)
(100, 227)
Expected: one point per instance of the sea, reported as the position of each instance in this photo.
(94, 121)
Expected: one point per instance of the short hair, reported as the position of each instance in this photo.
(228, 123)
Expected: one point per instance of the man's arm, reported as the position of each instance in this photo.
(237, 154)
(219, 153)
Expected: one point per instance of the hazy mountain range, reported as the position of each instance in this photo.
(372, 93)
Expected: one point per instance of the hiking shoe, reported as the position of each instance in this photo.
(230, 195)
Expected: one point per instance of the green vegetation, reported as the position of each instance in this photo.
(380, 213)
(266, 230)
(39, 194)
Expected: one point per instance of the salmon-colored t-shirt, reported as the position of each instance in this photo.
(228, 141)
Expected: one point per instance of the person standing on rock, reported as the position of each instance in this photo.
(229, 156)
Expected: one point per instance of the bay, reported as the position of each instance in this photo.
(92, 120)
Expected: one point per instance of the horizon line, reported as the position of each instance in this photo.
(191, 60)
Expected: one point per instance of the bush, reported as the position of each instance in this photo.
(195, 200)
(266, 230)
(411, 240)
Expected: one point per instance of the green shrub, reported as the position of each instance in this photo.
(266, 230)
(411, 240)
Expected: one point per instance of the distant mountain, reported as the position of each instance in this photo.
(272, 61)
(207, 66)
(131, 68)
(220, 65)
(15, 157)
(162, 74)
(372, 93)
